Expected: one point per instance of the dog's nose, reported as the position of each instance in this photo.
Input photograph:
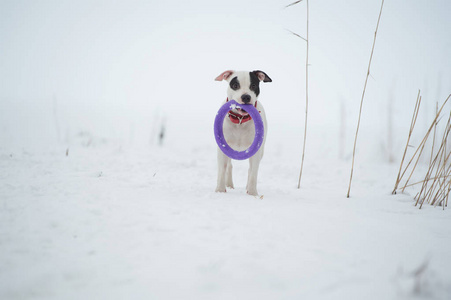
(246, 98)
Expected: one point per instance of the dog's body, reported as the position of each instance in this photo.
(239, 129)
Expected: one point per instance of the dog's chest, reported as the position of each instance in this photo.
(239, 136)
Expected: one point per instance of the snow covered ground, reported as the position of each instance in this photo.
(93, 207)
(106, 222)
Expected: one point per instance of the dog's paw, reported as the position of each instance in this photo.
(230, 186)
(252, 192)
(220, 190)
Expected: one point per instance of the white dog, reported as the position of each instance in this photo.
(239, 130)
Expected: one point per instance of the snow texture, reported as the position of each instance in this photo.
(109, 223)
(108, 157)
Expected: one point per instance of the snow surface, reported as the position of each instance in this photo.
(127, 214)
(106, 222)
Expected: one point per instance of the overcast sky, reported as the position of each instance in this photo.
(128, 58)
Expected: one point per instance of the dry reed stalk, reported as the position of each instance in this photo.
(306, 103)
(419, 148)
(306, 89)
(441, 191)
(294, 33)
(415, 165)
(435, 131)
(438, 192)
(422, 142)
(444, 165)
(447, 194)
(296, 2)
(425, 183)
(436, 185)
(361, 101)
(428, 179)
(412, 125)
(437, 160)
(428, 197)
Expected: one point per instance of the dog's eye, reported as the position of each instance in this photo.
(253, 86)
(235, 86)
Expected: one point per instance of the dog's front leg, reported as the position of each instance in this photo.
(229, 179)
(254, 163)
(223, 161)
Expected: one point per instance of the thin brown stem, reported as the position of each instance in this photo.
(425, 183)
(412, 126)
(422, 181)
(295, 2)
(306, 102)
(438, 188)
(437, 159)
(423, 141)
(361, 101)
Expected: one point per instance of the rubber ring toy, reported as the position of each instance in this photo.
(219, 132)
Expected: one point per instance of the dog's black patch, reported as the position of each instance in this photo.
(267, 79)
(255, 83)
(235, 84)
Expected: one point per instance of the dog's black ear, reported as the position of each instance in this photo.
(262, 76)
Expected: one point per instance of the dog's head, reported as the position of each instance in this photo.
(243, 86)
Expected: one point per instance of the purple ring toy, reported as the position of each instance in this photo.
(219, 132)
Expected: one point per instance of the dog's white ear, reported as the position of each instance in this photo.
(224, 75)
(262, 76)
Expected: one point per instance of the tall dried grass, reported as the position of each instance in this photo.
(436, 185)
(306, 89)
(361, 101)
